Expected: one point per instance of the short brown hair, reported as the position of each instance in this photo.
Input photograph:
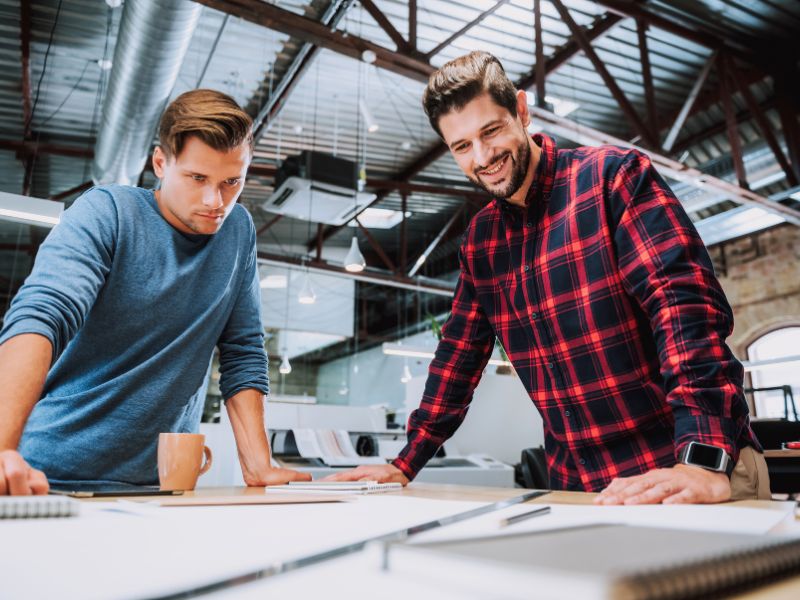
(463, 79)
(209, 115)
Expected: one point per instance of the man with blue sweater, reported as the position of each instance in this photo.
(108, 342)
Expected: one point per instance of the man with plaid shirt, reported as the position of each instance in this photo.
(594, 280)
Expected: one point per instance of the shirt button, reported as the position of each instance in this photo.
(527, 267)
(534, 315)
(582, 461)
(567, 413)
(530, 223)
(550, 365)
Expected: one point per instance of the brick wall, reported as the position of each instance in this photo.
(761, 277)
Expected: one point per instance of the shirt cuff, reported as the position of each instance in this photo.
(706, 429)
(405, 468)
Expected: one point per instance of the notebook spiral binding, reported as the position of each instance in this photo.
(28, 507)
(714, 577)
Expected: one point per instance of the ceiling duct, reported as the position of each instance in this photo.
(153, 38)
(317, 187)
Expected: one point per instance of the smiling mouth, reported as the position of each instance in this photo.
(496, 169)
(209, 216)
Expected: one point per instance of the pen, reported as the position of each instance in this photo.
(526, 515)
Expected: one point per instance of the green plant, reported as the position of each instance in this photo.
(436, 327)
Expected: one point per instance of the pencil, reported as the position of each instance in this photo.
(523, 516)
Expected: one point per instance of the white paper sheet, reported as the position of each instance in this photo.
(695, 517)
(143, 551)
(147, 551)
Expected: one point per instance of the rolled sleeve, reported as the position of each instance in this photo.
(70, 269)
(242, 358)
(459, 361)
(665, 267)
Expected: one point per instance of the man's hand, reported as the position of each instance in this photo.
(681, 484)
(379, 473)
(17, 478)
(276, 476)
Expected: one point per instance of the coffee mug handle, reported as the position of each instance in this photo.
(209, 458)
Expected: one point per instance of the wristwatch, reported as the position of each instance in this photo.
(706, 456)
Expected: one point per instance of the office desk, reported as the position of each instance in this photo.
(115, 555)
(783, 590)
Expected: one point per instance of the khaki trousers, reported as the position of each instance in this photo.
(750, 479)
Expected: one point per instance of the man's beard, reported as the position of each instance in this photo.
(520, 161)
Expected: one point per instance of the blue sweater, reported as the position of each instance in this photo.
(134, 309)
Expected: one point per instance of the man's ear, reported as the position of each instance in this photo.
(159, 161)
(522, 108)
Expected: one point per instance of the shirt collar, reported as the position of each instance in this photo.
(543, 179)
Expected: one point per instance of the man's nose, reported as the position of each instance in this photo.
(212, 197)
(482, 154)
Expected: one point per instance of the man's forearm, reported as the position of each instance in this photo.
(24, 362)
(246, 412)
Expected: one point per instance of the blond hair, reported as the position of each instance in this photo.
(211, 116)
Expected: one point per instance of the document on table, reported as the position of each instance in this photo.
(730, 519)
(150, 551)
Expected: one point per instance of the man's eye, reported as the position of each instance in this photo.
(198, 177)
(232, 182)
(491, 131)
(461, 148)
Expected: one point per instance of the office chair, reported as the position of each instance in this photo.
(533, 469)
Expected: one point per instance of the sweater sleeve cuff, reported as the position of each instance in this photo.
(24, 326)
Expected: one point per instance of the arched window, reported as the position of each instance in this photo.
(779, 344)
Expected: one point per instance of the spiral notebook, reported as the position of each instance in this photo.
(27, 507)
(614, 561)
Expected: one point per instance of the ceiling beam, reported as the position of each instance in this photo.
(764, 125)
(489, 11)
(688, 105)
(716, 129)
(539, 49)
(639, 10)
(647, 79)
(314, 32)
(270, 110)
(599, 27)
(412, 23)
(726, 91)
(27, 110)
(385, 24)
(627, 108)
(28, 147)
(666, 166)
(25, 47)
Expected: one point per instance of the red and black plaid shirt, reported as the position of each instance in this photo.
(605, 299)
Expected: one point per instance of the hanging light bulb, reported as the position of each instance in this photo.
(369, 120)
(307, 295)
(354, 261)
(406, 377)
(285, 367)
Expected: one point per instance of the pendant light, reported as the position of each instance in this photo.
(354, 261)
(285, 367)
(406, 377)
(307, 295)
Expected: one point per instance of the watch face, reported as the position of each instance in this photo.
(704, 456)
